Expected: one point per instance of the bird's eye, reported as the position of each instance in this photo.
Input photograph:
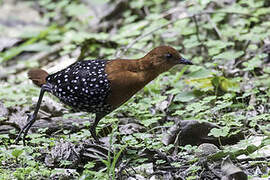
(168, 55)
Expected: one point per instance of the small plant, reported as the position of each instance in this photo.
(16, 153)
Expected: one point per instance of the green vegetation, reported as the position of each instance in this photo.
(229, 85)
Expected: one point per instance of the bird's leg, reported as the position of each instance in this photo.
(92, 129)
(31, 119)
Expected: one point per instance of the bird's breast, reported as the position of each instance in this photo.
(126, 79)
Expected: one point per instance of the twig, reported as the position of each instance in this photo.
(174, 10)
(163, 156)
(214, 26)
(197, 27)
(240, 59)
(118, 54)
(171, 11)
(254, 159)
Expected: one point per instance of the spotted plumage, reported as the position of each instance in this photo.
(83, 85)
(100, 86)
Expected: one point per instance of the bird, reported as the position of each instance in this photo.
(100, 86)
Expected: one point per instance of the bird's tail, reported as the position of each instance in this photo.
(38, 76)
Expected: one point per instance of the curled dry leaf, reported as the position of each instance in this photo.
(195, 132)
(18, 116)
(147, 168)
(95, 152)
(190, 132)
(230, 171)
(131, 128)
(99, 153)
(64, 151)
(77, 155)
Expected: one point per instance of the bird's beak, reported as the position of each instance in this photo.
(184, 61)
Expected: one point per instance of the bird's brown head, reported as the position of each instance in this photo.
(163, 58)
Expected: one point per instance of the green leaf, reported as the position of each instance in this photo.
(229, 55)
(219, 132)
(191, 42)
(235, 8)
(17, 152)
(204, 84)
(76, 9)
(89, 165)
(225, 84)
(221, 105)
(254, 62)
(215, 46)
(40, 46)
(147, 122)
(201, 73)
(185, 96)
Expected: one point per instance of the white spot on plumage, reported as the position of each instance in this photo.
(86, 75)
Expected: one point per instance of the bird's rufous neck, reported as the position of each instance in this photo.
(145, 68)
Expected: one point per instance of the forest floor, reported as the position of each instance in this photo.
(205, 121)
